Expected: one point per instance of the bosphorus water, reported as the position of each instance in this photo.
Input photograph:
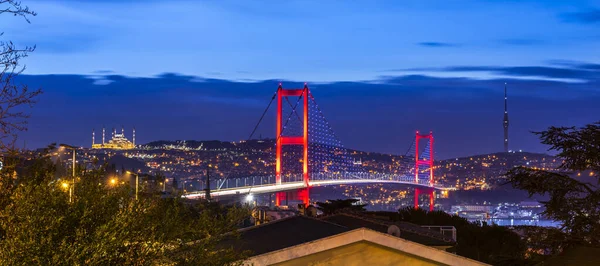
(517, 222)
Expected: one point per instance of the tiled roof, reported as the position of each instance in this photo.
(408, 231)
(291, 231)
(282, 233)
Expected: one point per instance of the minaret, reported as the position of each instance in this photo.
(114, 132)
(93, 137)
(505, 120)
(123, 131)
(102, 135)
(134, 137)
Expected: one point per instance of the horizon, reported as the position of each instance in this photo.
(379, 70)
(241, 103)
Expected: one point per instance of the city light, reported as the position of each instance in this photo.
(65, 185)
(113, 181)
(249, 198)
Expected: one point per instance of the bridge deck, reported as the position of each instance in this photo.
(270, 188)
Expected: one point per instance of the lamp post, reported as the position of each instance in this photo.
(72, 187)
(207, 188)
(136, 183)
(66, 186)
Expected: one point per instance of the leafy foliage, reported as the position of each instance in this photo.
(574, 203)
(487, 243)
(105, 225)
(542, 241)
(340, 205)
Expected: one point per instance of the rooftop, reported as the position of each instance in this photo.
(408, 231)
(296, 230)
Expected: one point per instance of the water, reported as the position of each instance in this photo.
(515, 222)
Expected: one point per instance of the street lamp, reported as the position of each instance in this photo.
(72, 187)
(249, 198)
(113, 181)
(136, 183)
(65, 186)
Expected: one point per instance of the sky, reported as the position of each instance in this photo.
(379, 69)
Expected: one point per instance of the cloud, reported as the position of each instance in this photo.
(102, 72)
(436, 44)
(589, 16)
(568, 70)
(172, 106)
(533, 71)
(521, 42)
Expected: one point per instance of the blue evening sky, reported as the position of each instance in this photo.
(302, 40)
(379, 69)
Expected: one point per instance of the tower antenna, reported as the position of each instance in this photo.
(505, 120)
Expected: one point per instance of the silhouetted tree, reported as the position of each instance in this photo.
(574, 203)
(13, 96)
(542, 242)
(476, 240)
(340, 205)
(175, 184)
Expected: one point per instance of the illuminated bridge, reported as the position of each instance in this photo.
(308, 153)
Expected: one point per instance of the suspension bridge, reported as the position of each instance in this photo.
(308, 153)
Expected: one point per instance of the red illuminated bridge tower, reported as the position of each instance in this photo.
(424, 160)
(292, 140)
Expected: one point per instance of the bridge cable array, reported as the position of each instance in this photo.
(328, 158)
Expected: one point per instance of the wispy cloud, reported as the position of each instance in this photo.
(172, 106)
(522, 42)
(104, 72)
(587, 16)
(570, 71)
(437, 44)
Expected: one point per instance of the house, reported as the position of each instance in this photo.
(303, 240)
(408, 231)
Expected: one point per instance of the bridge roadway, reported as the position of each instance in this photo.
(260, 185)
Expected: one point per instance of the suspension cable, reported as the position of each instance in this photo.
(294, 107)
(289, 116)
(410, 147)
(323, 116)
(262, 116)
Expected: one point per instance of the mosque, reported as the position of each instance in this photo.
(118, 141)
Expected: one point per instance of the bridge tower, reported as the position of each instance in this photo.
(427, 162)
(292, 140)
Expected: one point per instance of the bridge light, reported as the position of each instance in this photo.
(249, 198)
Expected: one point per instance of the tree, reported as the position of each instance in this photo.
(576, 204)
(105, 225)
(542, 241)
(12, 95)
(340, 205)
(479, 241)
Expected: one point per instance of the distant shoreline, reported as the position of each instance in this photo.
(520, 221)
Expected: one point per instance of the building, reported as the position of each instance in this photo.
(344, 239)
(117, 142)
(505, 120)
(303, 240)
(430, 236)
